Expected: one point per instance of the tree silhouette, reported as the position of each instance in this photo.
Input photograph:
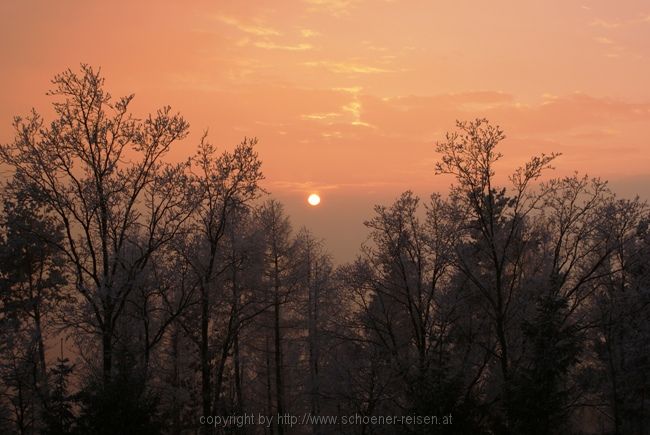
(184, 296)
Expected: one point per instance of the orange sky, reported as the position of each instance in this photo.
(348, 97)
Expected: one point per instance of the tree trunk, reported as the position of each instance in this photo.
(205, 362)
(43, 387)
(313, 343)
(278, 358)
(107, 350)
(235, 301)
(218, 380)
(269, 393)
(176, 419)
(238, 374)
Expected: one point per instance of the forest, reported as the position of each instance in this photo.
(139, 296)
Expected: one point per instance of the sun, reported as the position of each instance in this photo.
(313, 199)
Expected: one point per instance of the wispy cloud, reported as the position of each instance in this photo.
(299, 186)
(309, 33)
(354, 108)
(604, 24)
(252, 29)
(351, 89)
(310, 186)
(603, 40)
(334, 7)
(613, 50)
(350, 112)
(347, 68)
(370, 46)
(267, 45)
(321, 116)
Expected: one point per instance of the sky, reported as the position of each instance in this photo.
(348, 97)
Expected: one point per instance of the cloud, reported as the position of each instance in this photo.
(570, 112)
(310, 186)
(370, 46)
(354, 108)
(267, 45)
(309, 33)
(321, 116)
(306, 186)
(604, 24)
(333, 7)
(471, 100)
(347, 68)
(351, 89)
(427, 116)
(252, 29)
(266, 33)
(330, 126)
(613, 50)
(350, 113)
(603, 40)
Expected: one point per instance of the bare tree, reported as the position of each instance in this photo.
(98, 171)
(495, 224)
(315, 271)
(620, 309)
(279, 268)
(222, 183)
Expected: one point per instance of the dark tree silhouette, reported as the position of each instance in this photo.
(181, 298)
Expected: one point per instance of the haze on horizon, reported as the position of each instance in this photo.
(348, 97)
